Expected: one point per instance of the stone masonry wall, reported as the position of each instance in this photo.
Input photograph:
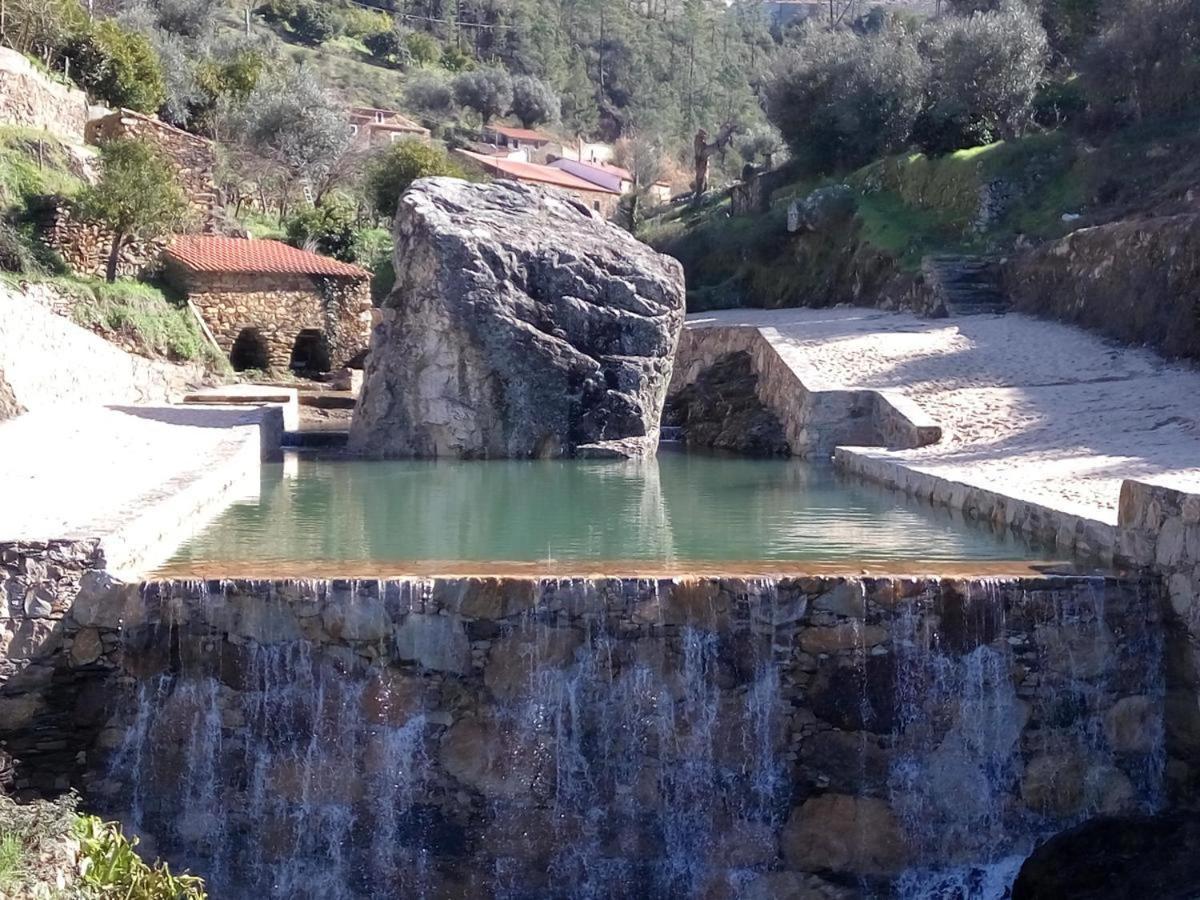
(815, 421)
(30, 99)
(279, 307)
(465, 735)
(1159, 530)
(193, 156)
(84, 246)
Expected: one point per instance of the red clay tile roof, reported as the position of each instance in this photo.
(247, 256)
(520, 134)
(524, 171)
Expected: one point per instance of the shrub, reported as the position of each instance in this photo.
(358, 23)
(423, 48)
(1145, 63)
(489, 92)
(534, 101)
(1070, 25)
(429, 92)
(984, 73)
(841, 99)
(312, 23)
(110, 864)
(386, 46)
(390, 173)
(119, 67)
(43, 28)
(330, 227)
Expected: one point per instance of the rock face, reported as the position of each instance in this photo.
(9, 407)
(521, 325)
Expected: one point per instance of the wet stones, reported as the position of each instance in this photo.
(843, 833)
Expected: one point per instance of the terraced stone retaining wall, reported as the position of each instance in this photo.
(719, 737)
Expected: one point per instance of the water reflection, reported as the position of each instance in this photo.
(678, 508)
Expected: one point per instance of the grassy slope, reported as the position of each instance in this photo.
(344, 64)
(910, 206)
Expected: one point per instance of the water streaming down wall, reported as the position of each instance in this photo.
(623, 738)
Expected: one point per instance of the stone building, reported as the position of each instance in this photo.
(372, 126)
(191, 155)
(596, 197)
(271, 306)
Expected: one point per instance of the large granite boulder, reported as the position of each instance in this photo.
(521, 325)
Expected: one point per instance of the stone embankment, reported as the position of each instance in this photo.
(1135, 281)
(718, 737)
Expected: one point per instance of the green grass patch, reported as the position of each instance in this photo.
(32, 164)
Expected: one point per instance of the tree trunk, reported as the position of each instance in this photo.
(114, 256)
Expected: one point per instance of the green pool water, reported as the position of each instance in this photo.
(678, 511)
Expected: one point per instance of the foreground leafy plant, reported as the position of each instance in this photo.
(111, 867)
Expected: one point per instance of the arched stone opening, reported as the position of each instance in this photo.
(250, 351)
(310, 352)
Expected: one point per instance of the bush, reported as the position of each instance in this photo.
(110, 865)
(358, 23)
(386, 46)
(390, 173)
(312, 23)
(423, 48)
(119, 67)
(43, 28)
(487, 91)
(429, 92)
(534, 102)
(1145, 63)
(1070, 25)
(841, 99)
(330, 227)
(984, 73)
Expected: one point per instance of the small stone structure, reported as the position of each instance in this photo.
(521, 325)
(84, 246)
(192, 156)
(30, 99)
(815, 421)
(271, 306)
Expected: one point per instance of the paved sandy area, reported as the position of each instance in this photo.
(132, 476)
(1043, 412)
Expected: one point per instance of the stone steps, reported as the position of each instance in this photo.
(963, 286)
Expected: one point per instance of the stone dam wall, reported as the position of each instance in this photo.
(713, 737)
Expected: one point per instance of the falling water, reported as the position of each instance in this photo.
(597, 740)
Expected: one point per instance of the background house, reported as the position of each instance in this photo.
(383, 126)
(533, 144)
(269, 305)
(612, 177)
(599, 198)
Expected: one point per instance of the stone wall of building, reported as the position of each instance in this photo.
(815, 421)
(467, 734)
(193, 156)
(31, 99)
(277, 307)
(85, 247)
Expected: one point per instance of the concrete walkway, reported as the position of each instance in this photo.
(1045, 413)
(140, 479)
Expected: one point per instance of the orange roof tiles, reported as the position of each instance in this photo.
(524, 171)
(520, 134)
(247, 256)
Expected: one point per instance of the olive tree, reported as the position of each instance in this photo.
(137, 196)
(488, 91)
(841, 99)
(984, 73)
(534, 101)
(391, 172)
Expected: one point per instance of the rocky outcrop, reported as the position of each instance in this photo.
(1135, 281)
(1130, 856)
(521, 325)
(721, 410)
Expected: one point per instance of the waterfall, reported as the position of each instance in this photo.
(629, 738)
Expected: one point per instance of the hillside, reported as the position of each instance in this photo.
(996, 200)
